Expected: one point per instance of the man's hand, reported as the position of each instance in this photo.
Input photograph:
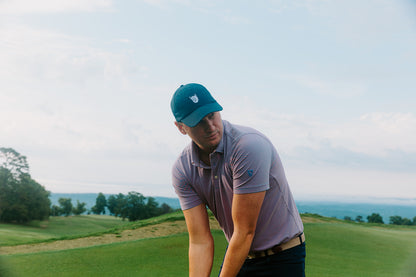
(201, 243)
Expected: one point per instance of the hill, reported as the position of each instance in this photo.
(334, 248)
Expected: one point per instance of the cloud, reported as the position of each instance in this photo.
(377, 133)
(346, 182)
(72, 107)
(95, 110)
(59, 186)
(231, 14)
(374, 140)
(48, 62)
(338, 87)
(326, 154)
(163, 4)
(355, 22)
(19, 7)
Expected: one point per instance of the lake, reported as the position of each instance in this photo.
(337, 209)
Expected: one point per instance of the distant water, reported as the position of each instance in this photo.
(329, 209)
(340, 210)
(90, 198)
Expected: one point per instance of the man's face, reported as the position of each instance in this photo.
(207, 133)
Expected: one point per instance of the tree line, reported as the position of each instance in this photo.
(133, 206)
(377, 218)
(22, 199)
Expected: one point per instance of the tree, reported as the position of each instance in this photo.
(79, 208)
(359, 218)
(347, 218)
(111, 204)
(22, 199)
(152, 208)
(396, 220)
(375, 218)
(135, 206)
(117, 205)
(13, 161)
(121, 206)
(55, 210)
(37, 197)
(165, 209)
(7, 183)
(407, 221)
(65, 206)
(100, 204)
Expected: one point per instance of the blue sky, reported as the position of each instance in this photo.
(86, 86)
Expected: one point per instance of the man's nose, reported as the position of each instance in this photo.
(209, 124)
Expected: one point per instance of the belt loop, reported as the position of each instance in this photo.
(300, 238)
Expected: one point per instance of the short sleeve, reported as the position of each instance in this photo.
(251, 162)
(187, 195)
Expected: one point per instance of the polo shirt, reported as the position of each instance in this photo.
(245, 161)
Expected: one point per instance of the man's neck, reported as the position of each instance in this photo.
(204, 156)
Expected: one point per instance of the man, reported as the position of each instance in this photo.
(236, 172)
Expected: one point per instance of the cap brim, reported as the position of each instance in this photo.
(196, 116)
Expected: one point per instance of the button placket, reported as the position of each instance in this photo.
(214, 169)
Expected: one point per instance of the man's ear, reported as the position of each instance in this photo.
(180, 127)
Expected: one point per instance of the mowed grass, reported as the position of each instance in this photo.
(334, 248)
(341, 249)
(166, 256)
(57, 228)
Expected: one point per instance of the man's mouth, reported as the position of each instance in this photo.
(212, 135)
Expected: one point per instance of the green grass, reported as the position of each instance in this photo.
(149, 257)
(340, 249)
(60, 228)
(334, 248)
(57, 228)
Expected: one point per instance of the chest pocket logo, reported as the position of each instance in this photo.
(250, 172)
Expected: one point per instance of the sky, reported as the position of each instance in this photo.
(85, 89)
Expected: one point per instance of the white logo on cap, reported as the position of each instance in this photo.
(194, 98)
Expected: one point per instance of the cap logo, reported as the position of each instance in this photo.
(194, 98)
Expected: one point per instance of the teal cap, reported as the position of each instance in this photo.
(191, 103)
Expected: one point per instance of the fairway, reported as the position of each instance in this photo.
(339, 249)
(149, 257)
(334, 248)
(57, 227)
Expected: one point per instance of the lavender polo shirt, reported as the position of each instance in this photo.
(245, 161)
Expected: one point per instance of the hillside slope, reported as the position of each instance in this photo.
(158, 247)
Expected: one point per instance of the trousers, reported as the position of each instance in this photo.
(288, 263)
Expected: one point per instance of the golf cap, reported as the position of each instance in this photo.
(191, 103)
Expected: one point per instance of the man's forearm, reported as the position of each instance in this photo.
(200, 259)
(236, 254)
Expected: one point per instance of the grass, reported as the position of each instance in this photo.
(339, 249)
(334, 248)
(149, 257)
(57, 228)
